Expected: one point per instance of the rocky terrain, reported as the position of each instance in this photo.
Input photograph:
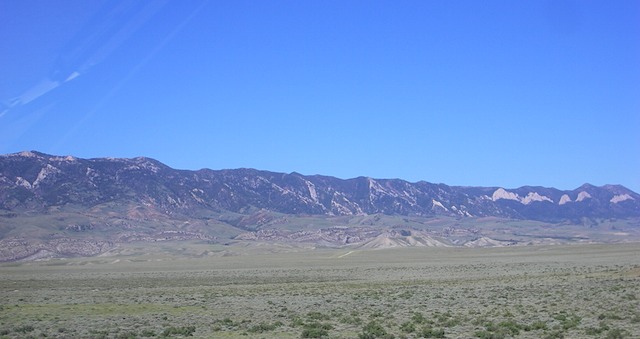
(63, 206)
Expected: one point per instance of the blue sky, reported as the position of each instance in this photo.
(482, 93)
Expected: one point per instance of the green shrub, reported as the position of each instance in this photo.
(374, 330)
(127, 335)
(489, 335)
(98, 333)
(408, 327)
(352, 320)
(377, 314)
(511, 327)
(297, 321)
(228, 322)
(418, 318)
(148, 333)
(315, 330)
(317, 316)
(609, 315)
(554, 335)
(264, 327)
(597, 330)
(429, 332)
(451, 322)
(24, 329)
(186, 331)
(539, 325)
(569, 321)
(615, 333)
(314, 333)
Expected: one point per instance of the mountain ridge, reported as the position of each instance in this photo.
(39, 174)
(57, 202)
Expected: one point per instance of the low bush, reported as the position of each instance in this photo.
(127, 335)
(538, 325)
(315, 330)
(264, 327)
(408, 327)
(418, 318)
(147, 333)
(616, 333)
(489, 335)
(317, 316)
(186, 331)
(429, 332)
(374, 330)
(24, 329)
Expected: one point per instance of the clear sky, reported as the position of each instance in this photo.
(482, 93)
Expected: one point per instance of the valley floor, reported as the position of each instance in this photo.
(570, 291)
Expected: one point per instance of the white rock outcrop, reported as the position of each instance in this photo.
(20, 181)
(501, 193)
(437, 204)
(44, 173)
(564, 199)
(621, 197)
(534, 196)
(583, 195)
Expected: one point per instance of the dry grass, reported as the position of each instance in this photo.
(525, 292)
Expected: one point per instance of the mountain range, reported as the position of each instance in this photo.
(47, 199)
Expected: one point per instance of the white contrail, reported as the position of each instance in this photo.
(129, 75)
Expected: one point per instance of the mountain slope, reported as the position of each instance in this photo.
(85, 206)
(36, 180)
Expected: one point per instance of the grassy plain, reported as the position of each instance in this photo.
(214, 291)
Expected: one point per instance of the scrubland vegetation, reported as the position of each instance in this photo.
(577, 291)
